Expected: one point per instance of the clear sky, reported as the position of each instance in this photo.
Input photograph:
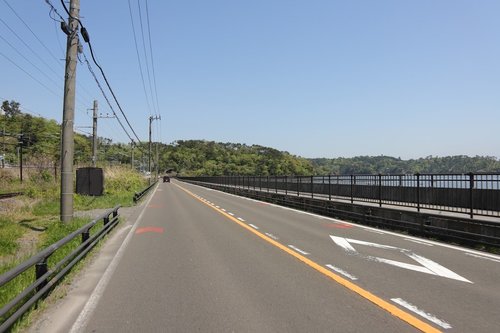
(317, 78)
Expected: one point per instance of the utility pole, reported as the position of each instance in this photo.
(68, 144)
(151, 118)
(132, 157)
(94, 135)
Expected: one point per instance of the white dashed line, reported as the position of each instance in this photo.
(230, 213)
(481, 257)
(242, 220)
(418, 242)
(254, 226)
(421, 313)
(298, 250)
(341, 271)
(272, 236)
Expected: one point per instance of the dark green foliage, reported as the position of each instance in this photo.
(208, 158)
(391, 165)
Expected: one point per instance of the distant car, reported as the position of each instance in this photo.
(166, 179)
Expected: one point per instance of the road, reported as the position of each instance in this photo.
(202, 260)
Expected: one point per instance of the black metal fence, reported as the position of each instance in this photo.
(45, 277)
(472, 194)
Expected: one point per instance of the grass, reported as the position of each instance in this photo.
(30, 223)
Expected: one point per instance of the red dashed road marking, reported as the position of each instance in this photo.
(149, 229)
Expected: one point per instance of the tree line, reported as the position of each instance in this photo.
(40, 140)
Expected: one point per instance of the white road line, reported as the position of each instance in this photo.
(253, 226)
(418, 242)
(481, 257)
(421, 313)
(374, 231)
(217, 207)
(298, 250)
(370, 229)
(272, 236)
(223, 209)
(239, 218)
(230, 213)
(341, 271)
(98, 291)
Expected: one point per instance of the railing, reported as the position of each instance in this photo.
(46, 278)
(471, 194)
(138, 196)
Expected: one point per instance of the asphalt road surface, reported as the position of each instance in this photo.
(202, 260)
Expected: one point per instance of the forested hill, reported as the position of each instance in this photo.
(391, 165)
(199, 157)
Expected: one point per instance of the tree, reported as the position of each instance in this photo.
(11, 109)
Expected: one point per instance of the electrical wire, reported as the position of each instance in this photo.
(152, 58)
(105, 96)
(87, 40)
(146, 55)
(139, 58)
(31, 76)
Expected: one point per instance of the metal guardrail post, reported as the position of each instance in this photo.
(312, 187)
(380, 190)
(329, 188)
(471, 194)
(40, 270)
(286, 185)
(276, 183)
(85, 235)
(353, 179)
(418, 191)
(298, 186)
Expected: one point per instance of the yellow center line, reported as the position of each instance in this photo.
(392, 309)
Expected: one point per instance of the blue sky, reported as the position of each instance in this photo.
(316, 78)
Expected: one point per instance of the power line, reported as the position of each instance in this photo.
(28, 27)
(27, 46)
(139, 58)
(31, 76)
(86, 38)
(106, 97)
(145, 54)
(152, 61)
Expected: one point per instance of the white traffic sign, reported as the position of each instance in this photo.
(426, 265)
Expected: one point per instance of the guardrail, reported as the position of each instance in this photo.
(45, 278)
(138, 196)
(446, 226)
(474, 194)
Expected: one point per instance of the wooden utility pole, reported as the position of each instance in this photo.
(94, 135)
(68, 144)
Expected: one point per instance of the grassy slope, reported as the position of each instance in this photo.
(31, 222)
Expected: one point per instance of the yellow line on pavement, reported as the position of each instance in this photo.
(392, 309)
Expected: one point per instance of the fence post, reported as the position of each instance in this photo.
(353, 179)
(418, 191)
(276, 184)
(40, 269)
(86, 234)
(298, 186)
(380, 190)
(286, 185)
(312, 187)
(267, 184)
(471, 194)
(329, 187)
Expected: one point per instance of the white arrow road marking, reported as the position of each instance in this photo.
(421, 313)
(427, 266)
